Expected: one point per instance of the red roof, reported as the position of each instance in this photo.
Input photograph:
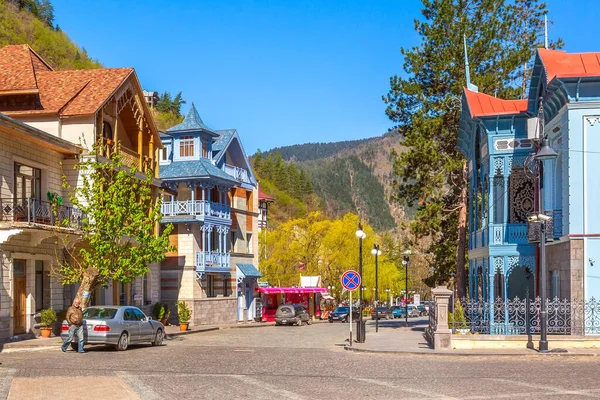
(482, 105)
(76, 92)
(262, 196)
(558, 63)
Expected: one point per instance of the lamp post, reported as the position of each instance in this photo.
(527, 277)
(376, 252)
(389, 295)
(361, 236)
(405, 262)
(544, 153)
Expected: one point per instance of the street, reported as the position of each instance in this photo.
(307, 362)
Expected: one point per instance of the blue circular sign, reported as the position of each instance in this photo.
(350, 280)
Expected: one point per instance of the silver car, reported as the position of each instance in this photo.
(117, 325)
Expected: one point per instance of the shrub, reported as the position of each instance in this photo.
(48, 318)
(159, 311)
(183, 312)
(460, 322)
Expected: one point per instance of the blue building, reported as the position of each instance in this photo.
(497, 137)
(212, 200)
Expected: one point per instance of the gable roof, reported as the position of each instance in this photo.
(264, 197)
(223, 140)
(192, 123)
(560, 64)
(66, 93)
(484, 105)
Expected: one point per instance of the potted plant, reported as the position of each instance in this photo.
(47, 320)
(161, 312)
(183, 313)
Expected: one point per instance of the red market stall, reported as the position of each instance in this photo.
(309, 298)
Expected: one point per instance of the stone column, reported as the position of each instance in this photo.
(442, 334)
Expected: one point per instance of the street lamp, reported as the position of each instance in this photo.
(389, 295)
(527, 277)
(376, 252)
(361, 236)
(545, 152)
(405, 262)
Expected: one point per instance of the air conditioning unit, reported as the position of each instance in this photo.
(533, 128)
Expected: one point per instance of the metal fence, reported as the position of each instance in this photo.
(39, 212)
(522, 317)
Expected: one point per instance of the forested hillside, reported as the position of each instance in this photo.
(32, 22)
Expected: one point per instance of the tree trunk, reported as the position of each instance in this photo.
(462, 235)
(88, 284)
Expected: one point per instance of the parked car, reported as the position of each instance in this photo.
(398, 311)
(422, 310)
(292, 314)
(342, 314)
(119, 326)
(384, 313)
(413, 311)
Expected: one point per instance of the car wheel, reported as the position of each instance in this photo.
(299, 322)
(277, 323)
(345, 320)
(158, 338)
(309, 322)
(123, 342)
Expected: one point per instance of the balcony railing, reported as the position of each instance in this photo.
(201, 208)
(238, 173)
(212, 261)
(130, 158)
(39, 212)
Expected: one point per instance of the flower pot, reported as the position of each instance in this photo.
(46, 332)
(183, 327)
(163, 321)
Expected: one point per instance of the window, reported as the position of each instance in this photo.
(498, 200)
(186, 146)
(39, 285)
(204, 148)
(165, 153)
(210, 285)
(28, 182)
(233, 245)
(555, 284)
(225, 286)
(129, 315)
(107, 132)
(147, 297)
(138, 314)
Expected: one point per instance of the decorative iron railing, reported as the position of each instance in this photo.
(430, 330)
(40, 212)
(195, 208)
(212, 260)
(522, 316)
(238, 173)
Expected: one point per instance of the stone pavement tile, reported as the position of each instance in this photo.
(73, 387)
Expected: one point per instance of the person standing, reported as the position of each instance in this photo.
(75, 320)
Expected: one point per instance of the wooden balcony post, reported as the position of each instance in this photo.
(140, 145)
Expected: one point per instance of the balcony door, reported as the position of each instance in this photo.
(20, 297)
(28, 182)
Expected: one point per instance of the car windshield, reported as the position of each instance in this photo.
(395, 307)
(342, 309)
(99, 313)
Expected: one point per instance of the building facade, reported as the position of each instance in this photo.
(48, 119)
(498, 138)
(213, 204)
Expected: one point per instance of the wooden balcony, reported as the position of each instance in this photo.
(194, 208)
(212, 261)
(130, 158)
(238, 173)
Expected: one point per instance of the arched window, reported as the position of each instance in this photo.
(107, 132)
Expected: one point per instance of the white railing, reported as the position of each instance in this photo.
(238, 173)
(212, 259)
(195, 207)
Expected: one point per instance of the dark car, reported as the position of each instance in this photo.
(422, 310)
(342, 314)
(382, 312)
(292, 314)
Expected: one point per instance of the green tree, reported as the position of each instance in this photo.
(175, 107)
(431, 174)
(119, 235)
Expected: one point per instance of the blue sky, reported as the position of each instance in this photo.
(281, 72)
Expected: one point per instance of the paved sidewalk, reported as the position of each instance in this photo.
(53, 343)
(395, 338)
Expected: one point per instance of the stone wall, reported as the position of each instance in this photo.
(214, 311)
(567, 258)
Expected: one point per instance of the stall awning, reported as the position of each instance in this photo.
(276, 290)
(249, 270)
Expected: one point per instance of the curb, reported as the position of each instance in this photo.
(449, 353)
(217, 328)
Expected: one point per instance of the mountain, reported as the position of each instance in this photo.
(30, 22)
(351, 176)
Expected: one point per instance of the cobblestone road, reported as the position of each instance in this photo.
(306, 362)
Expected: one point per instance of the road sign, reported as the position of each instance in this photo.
(351, 280)
(417, 299)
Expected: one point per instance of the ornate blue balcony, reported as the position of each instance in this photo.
(198, 209)
(212, 261)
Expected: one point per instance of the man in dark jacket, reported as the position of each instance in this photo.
(75, 320)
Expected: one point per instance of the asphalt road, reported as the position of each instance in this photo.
(306, 362)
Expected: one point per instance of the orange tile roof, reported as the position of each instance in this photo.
(16, 69)
(68, 93)
(558, 63)
(483, 105)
